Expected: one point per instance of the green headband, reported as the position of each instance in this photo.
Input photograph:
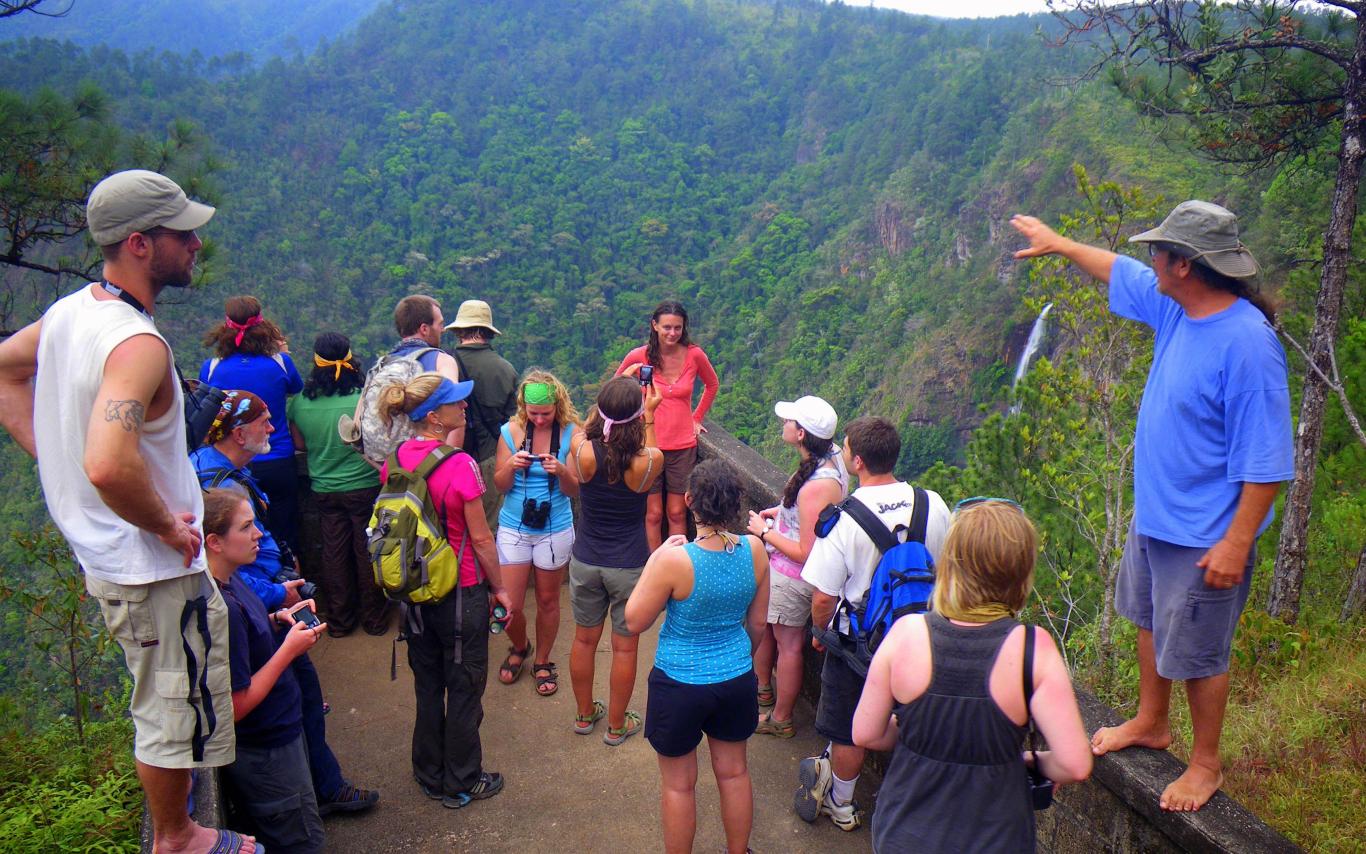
(538, 394)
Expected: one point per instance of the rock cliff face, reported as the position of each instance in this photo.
(890, 224)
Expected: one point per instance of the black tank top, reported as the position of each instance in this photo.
(610, 530)
(956, 781)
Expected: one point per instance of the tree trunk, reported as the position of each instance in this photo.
(1356, 594)
(1337, 244)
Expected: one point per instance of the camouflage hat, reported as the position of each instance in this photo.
(1210, 233)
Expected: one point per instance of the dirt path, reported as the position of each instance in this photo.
(565, 792)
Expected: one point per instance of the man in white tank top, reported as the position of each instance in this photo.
(91, 390)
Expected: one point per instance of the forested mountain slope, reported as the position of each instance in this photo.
(824, 187)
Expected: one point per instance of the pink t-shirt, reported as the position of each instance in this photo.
(455, 482)
(675, 416)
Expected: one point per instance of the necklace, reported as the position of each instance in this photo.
(727, 538)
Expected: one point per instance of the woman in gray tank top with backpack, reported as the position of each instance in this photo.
(949, 690)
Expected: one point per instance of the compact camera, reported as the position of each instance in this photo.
(647, 374)
(307, 617)
(1040, 789)
(307, 590)
(535, 514)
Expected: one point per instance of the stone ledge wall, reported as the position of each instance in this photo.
(1114, 811)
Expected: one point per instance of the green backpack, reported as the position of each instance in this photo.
(412, 560)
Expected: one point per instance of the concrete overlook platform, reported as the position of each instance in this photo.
(565, 792)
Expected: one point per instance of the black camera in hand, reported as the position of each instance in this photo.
(307, 617)
(307, 590)
(1040, 789)
(535, 514)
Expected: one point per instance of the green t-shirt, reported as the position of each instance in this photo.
(332, 465)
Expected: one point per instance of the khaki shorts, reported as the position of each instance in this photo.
(167, 704)
(595, 590)
(789, 600)
(678, 466)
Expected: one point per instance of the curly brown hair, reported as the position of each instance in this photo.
(263, 339)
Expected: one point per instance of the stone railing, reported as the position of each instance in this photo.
(1114, 811)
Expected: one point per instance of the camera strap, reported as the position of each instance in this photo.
(1029, 688)
(556, 430)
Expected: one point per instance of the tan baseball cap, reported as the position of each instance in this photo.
(139, 200)
(474, 313)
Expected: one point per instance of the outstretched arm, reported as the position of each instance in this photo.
(1093, 261)
(113, 459)
(18, 364)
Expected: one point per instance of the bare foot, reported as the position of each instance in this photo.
(1192, 789)
(1131, 733)
(200, 839)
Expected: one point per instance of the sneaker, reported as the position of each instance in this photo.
(490, 783)
(815, 778)
(348, 798)
(846, 817)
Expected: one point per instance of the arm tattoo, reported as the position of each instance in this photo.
(129, 414)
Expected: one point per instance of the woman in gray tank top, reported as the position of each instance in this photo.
(945, 690)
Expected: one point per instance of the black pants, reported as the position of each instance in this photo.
(279, 480)
(447, 755)
(346, 583)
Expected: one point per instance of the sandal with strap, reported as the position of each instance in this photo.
(769, 726)
(766, 695)
(547, 678)
(349, 798)
(583, 725)
(231, 842)
(630, 727)
(509, 672)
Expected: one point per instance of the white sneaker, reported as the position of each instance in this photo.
(845, 816)
(814, 777)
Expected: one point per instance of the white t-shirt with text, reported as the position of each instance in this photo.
(842, 563)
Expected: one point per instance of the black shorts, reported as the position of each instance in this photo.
(677, 714)
(841, 689)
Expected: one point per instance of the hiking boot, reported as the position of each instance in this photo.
(490, 783)
(348, 798)
(846, 817)
(814, 778)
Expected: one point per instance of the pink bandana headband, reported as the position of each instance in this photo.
(241, 327)
(608, 422)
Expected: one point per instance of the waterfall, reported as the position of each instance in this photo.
(1032, 346)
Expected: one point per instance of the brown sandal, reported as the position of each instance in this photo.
(550, 678)
(509, 672)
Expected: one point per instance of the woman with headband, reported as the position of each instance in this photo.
(448, 641)
(616, 462)
(251, 353)
(345, 486)
(536, 524)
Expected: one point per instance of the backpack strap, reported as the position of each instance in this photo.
(920, 517)
(260, 502)
(870, 523)
(438, 455)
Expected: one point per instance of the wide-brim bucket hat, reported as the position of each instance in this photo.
(474, 313)
(1210, 232)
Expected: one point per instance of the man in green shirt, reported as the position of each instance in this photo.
(495, 392)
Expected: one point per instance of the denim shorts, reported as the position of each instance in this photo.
(1159, 588)
(678, 713)
(543, 549)
(841, 689)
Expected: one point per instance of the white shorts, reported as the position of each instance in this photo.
(544, 550)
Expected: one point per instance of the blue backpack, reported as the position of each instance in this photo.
(902, 581)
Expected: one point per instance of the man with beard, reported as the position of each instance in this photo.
(241, 430)
(90, 389)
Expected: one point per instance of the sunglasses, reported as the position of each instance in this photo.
(985, 499)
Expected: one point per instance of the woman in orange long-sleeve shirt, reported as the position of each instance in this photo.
(677, 364)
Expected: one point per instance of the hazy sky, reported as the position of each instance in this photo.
(957, 8)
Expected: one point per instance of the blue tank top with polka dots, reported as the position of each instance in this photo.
(703, 640)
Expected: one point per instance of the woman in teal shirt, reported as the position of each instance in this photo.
(345, 485)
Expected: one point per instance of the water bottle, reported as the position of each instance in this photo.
(499, 620)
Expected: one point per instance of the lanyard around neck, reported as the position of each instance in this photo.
(114, 290)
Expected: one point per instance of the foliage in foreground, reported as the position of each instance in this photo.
(54, 796)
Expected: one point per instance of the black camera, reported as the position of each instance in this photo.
(647, 374)
(1040, 789)
(307, 617)
(307, 590)
(535, 514)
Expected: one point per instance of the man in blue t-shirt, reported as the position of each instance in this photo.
(1212, 447)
